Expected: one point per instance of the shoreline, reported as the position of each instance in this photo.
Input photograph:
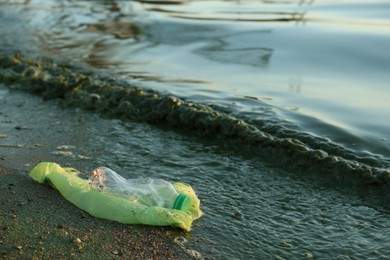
(112, 98)
(36, 221)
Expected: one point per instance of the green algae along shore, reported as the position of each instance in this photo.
(36, 222)
(78, 87)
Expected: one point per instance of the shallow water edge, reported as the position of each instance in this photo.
(78, 87)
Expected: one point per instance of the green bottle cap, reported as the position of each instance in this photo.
(182, 202)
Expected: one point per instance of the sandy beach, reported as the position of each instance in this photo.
(36, 221)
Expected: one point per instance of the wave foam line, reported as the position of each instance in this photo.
(80, 88)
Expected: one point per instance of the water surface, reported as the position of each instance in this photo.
(322, 65)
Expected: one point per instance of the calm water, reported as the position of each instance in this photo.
(315, 68)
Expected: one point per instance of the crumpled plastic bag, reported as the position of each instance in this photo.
(110, 207)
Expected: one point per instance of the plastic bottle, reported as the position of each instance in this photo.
(146, 191)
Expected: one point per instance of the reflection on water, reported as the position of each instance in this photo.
(220, 50)
(337, 50)
(240, 48)
(117, 29)
(236, 11)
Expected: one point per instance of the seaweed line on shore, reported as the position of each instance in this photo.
(81, 88)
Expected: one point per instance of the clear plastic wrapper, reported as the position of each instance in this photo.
(146, 191)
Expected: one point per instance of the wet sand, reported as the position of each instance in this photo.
(36, 222)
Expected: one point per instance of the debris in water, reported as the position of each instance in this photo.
(66, 147)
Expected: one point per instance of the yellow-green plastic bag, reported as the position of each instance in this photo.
(107, 206)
